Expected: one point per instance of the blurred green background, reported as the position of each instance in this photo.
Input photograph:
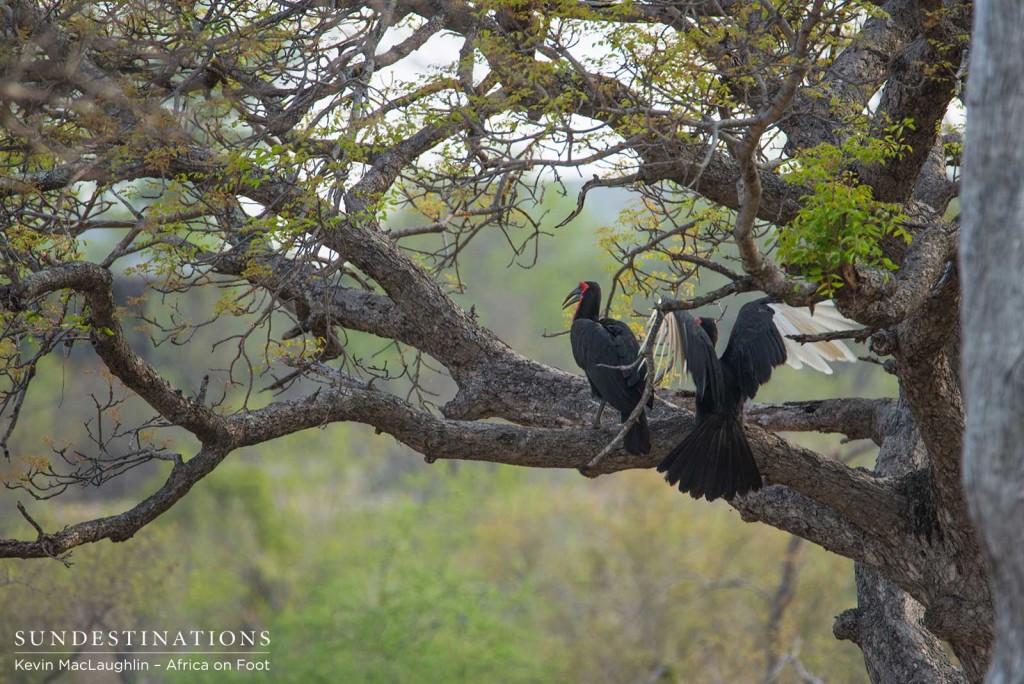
(367, 565)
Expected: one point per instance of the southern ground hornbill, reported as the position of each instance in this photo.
(607, 351)
(714, 460)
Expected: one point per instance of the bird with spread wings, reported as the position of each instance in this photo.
(714, 459)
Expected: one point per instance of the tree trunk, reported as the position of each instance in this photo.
(992, 260)
(886, 624)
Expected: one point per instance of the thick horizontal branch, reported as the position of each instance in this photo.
(868, 501)
(793, 512)
(433, 436)
(855, 418)
(65, 175)
(859, 335)
(852, 493)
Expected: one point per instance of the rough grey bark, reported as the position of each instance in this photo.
(992, 260)
(885, 625)
(889, 624)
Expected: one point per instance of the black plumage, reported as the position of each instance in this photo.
(714, 460)
(607, 350)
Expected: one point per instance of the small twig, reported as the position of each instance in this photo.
(201, 395)
(860, 334)
(31, 522)
(632, 366)
(44, 539)
(596, 182)
(629, 258)
(741, 285)
(588, 469)
(283, 383)
(704, 262)
(777, 606)
(646, 356)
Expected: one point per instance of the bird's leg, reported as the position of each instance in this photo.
(600, 410)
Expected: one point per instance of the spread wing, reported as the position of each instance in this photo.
(755, 347)
(683, 346)
(801, 321)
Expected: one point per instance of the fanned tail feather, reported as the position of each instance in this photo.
(714, 460)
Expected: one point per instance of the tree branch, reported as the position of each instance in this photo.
(95, 284)
(855, 418)
(123, 526)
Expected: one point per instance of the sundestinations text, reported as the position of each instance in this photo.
(141, 638)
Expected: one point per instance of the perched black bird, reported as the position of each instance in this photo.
(714, 460)
(607, 352)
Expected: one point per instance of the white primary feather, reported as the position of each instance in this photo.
(817, 355)
(666, 346)
(668, 349)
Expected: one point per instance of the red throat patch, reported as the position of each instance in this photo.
(583, 290)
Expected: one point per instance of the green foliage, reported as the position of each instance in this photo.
(470, 572)
(392, 595)
(401, 612)
(840, 224)
(451, 573)
(109, 587)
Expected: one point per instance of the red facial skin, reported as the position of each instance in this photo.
(583, 288)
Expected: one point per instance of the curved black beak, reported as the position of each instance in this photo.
(573, 297)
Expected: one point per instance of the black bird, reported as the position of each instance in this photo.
(607, 351)
(714, 460)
